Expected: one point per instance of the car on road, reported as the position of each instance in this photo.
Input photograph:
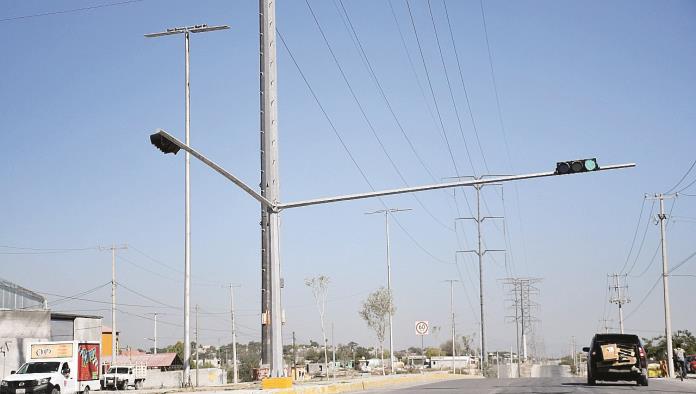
(615, 357)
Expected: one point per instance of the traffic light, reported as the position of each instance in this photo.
(164, 144)
(575, 166)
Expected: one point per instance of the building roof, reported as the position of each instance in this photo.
(23, 298)
(159, 360)
(71, 316)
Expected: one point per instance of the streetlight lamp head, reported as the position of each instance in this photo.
(163, 143)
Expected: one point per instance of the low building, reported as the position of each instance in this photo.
(460, 362)
(25, 318)
(160, 361)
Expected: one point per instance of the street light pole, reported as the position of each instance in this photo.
(234, 336)
(386, 213)
(454, 335)
(187, 187)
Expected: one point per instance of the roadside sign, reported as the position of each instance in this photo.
(422, 327)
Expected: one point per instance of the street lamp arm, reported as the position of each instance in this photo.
(263, 200)
(435, 186)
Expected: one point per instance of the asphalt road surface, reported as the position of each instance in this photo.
(550, 382)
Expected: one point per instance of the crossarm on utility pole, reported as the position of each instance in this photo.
(435, 186)
(263, 200)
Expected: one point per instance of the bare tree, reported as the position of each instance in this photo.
(320, 286)
(375, 311)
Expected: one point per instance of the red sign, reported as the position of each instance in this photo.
(87, 362)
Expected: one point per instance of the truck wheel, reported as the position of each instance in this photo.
(86, 390)
(122, 386)
(55, 391)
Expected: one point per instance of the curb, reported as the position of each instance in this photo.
(368, 384)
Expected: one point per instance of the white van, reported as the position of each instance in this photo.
(64, 367)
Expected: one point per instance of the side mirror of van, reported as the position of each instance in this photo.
(13, 372)
(586, 349)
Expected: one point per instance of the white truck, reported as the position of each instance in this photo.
(120, 377)
(62, 367)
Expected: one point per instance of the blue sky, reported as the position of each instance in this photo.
(83, 90)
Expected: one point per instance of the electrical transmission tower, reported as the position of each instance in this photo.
(619, 294)
(521, 292)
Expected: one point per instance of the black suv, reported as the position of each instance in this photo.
(613, 357)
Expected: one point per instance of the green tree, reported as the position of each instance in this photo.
(656, 347)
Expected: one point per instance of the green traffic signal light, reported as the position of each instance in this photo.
(591, 165)
(575, 166)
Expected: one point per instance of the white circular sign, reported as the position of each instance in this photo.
(422, 327)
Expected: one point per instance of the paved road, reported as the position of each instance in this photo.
(551, 381)
(542, 386)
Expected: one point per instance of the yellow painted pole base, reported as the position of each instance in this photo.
(276, 383)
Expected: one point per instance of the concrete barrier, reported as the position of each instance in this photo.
(172, 379)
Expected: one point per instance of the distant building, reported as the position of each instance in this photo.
(161, 361)
(25, 318)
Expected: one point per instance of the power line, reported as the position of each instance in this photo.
(687, 186)
(146, 297)
(449, 87)
(14, 18)
(682, 178)
(466, 94)
(347, 150)
(28, 250)
(644, 298)
(502, 125)
(362, 109)
(635, 233)
(81, 294)
(642, 241)
(437, 107)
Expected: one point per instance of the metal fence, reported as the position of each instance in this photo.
(13, 297)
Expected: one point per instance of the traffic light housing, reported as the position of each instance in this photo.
(164, 144)
(575, 166)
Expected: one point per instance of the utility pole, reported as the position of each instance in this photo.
(521, 290)
(386, 213)
(574, 354)
(480, 252)
(155, 351)
(662, 217)
(271, 325)
(333, 346)
(294, 350)
(235, 378)
(619, 296)
(113, 248)
(187, 180)
(451, 282)
(198, 346)
(605, 324)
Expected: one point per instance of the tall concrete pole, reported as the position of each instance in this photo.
(113, 305)
(187, 221)
(272, 340)
(155, 337)
(235, 374)
(198, 346)
(480, 261)
(454, 335)
(665, 285)
(388, 212)
(391, 325)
